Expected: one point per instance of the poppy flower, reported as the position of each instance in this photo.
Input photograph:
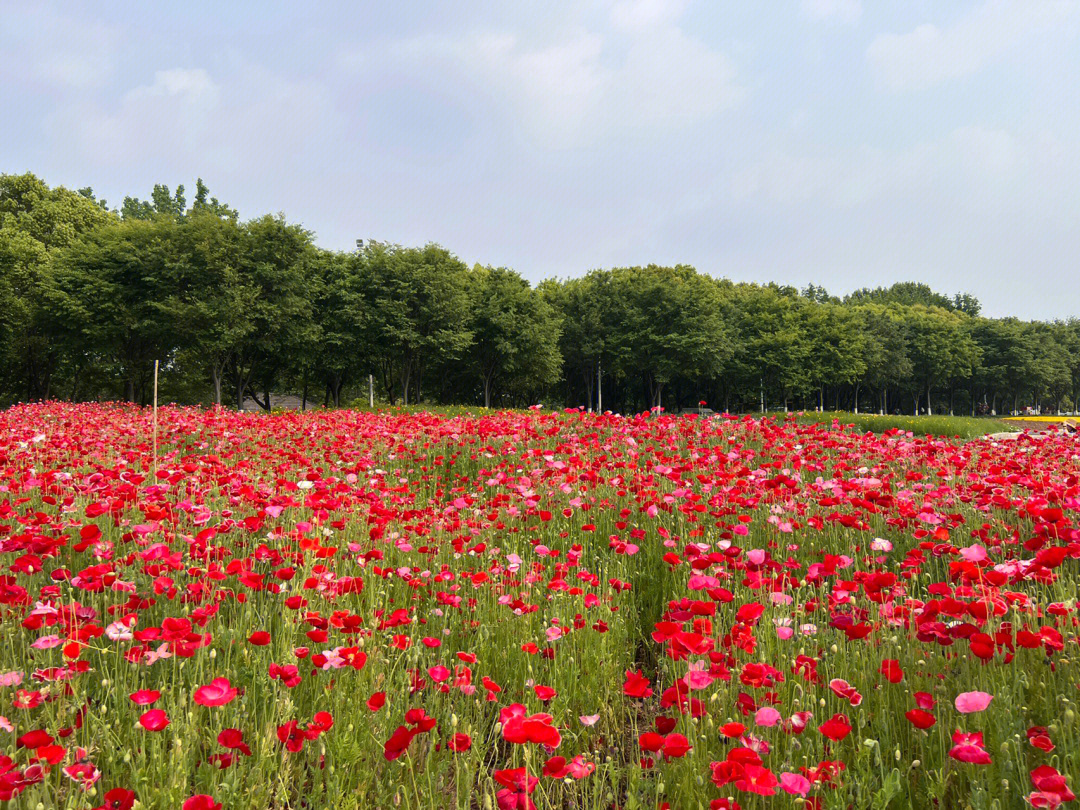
(836, 727)
(233, 739)
(218, 692)
(920, 718)
(459, 743)
(970, 702)
(154, 720)
(969, 748)
(890, 668)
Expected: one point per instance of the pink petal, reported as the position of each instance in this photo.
(969, 702)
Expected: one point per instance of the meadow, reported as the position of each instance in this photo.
(342, 609)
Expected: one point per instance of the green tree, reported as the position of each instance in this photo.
(36, 223)
(940, 348)
(670, 322)
(419, 311)
(103, 292)
(276, 261)
(515, 333)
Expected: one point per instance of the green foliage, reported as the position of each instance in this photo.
(235, 310)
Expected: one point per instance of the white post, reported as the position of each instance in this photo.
(599, 394)
(155, 418)
(371, 390)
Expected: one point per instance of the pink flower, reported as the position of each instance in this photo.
(216, 693)
(969, 748)
(970, 702)
(767, 716)
(794, 784)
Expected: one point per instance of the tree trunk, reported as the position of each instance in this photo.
(487, 391)
(929, 404)
(857, 386)
(129, 389)
(215, 374)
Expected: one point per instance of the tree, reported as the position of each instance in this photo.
(670, 323)
(940, 348)
(276, 260)
(515, 334)
(774, 352)
(837, 347)
(419, 306)
(103, 291)
(588, 310)
(36, 222)
(206, 297)
(885, 353)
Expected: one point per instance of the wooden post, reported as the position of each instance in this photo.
(599, 393)
(155, 418)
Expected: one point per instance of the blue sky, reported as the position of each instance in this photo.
(838, 142)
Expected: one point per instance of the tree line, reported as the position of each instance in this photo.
(91, 296)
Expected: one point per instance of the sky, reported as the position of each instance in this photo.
(834, 142)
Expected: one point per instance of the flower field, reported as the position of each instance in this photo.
(364, 610)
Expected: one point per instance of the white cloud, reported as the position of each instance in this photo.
(641, 15)
(186, 119)
(846, 11)
(928, 54)
(193, 86)
(645, 74)
(967, 161)
(58, 50)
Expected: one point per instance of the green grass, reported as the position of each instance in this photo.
(964, 427)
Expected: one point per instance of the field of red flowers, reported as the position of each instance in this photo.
(345, 610)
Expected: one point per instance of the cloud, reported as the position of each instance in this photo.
(75, 54)
(187, 120)
(642, 74)
(964, 163)
(845, 11)
(928, 55)
(642, 15)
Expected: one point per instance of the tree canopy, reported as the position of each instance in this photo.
(236, 310)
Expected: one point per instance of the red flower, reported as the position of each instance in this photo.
(154, 720)
(145, 697)
(292, 736)
(756, 779)
(520, 728)
(119, 799)
(1047, 780)
(676, 745)
(201, 801)
(636, 685)
(969, 748)
(233, 739)
(891, 670)
(920, 718)
(459, 743)
(398, 743)
(836, 727)
(216, 693)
